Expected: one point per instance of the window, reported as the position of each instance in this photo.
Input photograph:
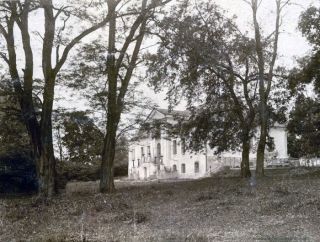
(158, 150)
(183, 146)
(148, 150)
(183, 168)
(142, 151)
(174, 168)
(196, 167)
(174, 150)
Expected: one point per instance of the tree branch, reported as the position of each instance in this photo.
(73, 42)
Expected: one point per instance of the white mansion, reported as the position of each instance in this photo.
(166, 157)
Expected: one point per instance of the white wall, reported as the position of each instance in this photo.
(205, 160)
(280, 140)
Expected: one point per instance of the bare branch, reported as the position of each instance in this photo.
(4, 57)
(73, 42)
(3, 31)
(61, 10)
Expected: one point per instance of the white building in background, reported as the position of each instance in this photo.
(163, 156)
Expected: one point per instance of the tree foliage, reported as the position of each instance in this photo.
(13, 135)
(81, 138)
(304, 128)
(205, 58)
(308, 70)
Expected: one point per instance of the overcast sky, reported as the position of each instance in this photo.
(291, 44)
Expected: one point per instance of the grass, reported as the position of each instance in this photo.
(285, 206)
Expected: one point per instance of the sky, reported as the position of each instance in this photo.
(291, 43)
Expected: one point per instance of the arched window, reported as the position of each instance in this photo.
(174, 168)
(196, 167)
(183, 168)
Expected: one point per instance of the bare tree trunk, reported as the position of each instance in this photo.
(24, 93)
(265, 81)
(262, 143)
(40, 133)
(108, 152)
(47, 159)
(262, 91)
(107, 164)
(245, 165)
(117, 95)
(60, 144)
(47, 176)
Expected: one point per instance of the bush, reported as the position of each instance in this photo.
(76, 171)
(17, 173)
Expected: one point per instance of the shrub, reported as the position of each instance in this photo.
(76, 171)
(17, 173)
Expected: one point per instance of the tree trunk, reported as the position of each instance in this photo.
(60, 144)
(24, 92)
(116, 95)
(245, 166)
(113, 115)
(107, 163)
(47, 182)
(47, 160)
(261, 145)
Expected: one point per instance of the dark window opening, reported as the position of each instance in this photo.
(183, 168)
(174, 168)
(174, 147)
(196, 167)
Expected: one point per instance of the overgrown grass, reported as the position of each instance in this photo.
(281, 207)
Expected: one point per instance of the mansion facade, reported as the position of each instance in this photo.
(164, 157)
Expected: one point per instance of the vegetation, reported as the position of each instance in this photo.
(40, 131)
(101, 51)
(204, 210)
(303, 124)
(13, 134)
(231, 80)
(222, 72)
(304, 128)
(308, 69)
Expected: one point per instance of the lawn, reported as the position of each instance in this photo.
(285, 206)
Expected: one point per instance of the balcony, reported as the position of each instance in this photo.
(146, 159)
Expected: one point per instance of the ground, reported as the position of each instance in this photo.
(285, 206)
